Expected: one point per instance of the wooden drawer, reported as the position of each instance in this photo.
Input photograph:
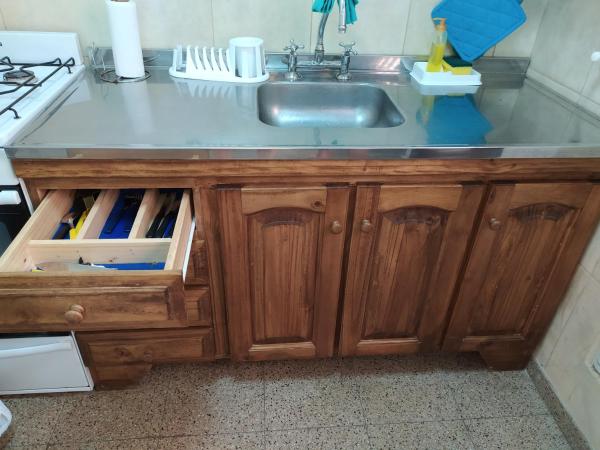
(147, 346)
(60, 301)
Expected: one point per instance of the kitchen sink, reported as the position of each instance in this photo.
(326, 105)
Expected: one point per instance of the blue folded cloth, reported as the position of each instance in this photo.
(475, 26)
(325, 7)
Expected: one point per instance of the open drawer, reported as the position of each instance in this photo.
(62, 299)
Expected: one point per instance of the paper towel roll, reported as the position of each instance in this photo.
(125, 36)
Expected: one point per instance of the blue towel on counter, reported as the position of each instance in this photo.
(475, 26)
(325, 7)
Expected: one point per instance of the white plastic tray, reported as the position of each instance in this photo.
(420, 74)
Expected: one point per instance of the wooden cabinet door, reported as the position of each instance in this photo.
(529, 242)
(408, 244)
(282, 255)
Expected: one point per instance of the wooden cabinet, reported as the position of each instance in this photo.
(282, 251)
(407, 247)
(527, 247)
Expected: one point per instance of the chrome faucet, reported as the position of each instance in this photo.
(292, 73)
(320, 48)
(344, 73)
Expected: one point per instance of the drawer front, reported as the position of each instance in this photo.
(151, 347)
(75, 302)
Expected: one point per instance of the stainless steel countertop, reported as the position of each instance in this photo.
(168, 118)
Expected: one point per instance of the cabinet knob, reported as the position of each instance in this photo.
(74, 314)
(366, 226)
(495, 224)
(336, 227)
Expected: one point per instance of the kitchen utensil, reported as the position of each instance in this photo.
(243, 62)
(54, 266)
(130, 201)
(152, 231)
(475, 27)
(169, 218)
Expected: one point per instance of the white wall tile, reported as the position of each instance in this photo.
(381, 28)
(591, 259)
(419, 32)
(275, 21)
(568, 368)
(566, 38)
(162, 24)
(86, 17)
(165, 24)
(521, 42)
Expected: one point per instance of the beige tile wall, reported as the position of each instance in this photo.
(567, 36)
(384, 26)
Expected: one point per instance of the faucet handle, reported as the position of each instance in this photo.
(293, 47)
(349, 48)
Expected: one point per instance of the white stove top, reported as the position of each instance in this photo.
(35, 102)
(32, 48)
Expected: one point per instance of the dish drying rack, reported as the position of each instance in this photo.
(210, 64)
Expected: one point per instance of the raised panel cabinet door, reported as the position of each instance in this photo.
(529, 242)
(282, 251)
(407, 248)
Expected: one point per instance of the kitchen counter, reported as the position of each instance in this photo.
(169, 118)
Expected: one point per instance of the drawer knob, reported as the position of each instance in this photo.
(366, 226)
(74, 314)
(336, 227)
(495, 224)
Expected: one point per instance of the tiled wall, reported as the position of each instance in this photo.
(567, 36)
(384, 26)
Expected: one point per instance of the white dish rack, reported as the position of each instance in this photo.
(212, 64)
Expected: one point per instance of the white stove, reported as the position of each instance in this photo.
(35, 68)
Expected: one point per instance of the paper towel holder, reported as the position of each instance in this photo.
(110, 76)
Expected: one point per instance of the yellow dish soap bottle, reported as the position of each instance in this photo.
(438, 47)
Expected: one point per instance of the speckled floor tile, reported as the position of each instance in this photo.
(245, 441)
(407, 398)
(517, 433)
(487, 393)
(111, 415)
(34, 418)
(446, 435)
(224, 398)
(322, 438)
(304, 394)
(298, 404)
(389, 368)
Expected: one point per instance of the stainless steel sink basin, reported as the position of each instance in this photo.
(326, 105)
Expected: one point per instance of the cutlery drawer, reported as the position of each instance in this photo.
(62, 299)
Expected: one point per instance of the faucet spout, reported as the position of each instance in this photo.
(342, 23)
(320, 47)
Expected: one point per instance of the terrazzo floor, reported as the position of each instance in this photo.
(417, 402)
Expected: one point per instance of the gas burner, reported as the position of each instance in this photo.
(20, 76)
(6, 64)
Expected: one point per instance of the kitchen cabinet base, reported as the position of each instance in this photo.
(505, 356)
(120, 358)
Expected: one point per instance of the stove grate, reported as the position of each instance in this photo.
(29, 84)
